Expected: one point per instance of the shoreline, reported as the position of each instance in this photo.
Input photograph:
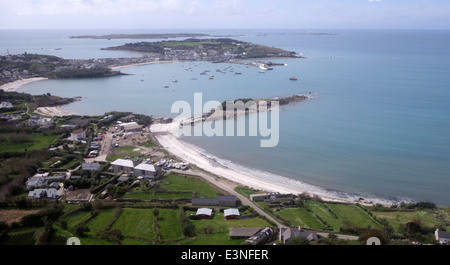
(53, 112)
(250, 178)
(138, 64)
(43, 111)
(13, 86)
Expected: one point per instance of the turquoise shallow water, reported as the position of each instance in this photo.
(379, 127)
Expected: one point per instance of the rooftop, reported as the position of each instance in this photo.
(123, 163)
(146, 167)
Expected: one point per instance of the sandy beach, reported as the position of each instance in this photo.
(53, 112)
(164, 135)
(13, 86)
(137, 64)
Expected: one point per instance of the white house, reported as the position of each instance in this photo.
(78, 135)
(145, 170)
(5, 105)
(122, 165)
(442, 236)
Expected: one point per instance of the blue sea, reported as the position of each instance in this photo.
(379, 126)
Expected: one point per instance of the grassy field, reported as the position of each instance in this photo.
(354, 215)
(39, 141)
(300, 217)
(323, 214)
(321, 210)
(168, 224)
(100, 222)
(178, 187)
(433, 218)
(77, 217)
(136, 222)
(220, 229)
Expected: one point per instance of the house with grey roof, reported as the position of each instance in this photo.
(287, 234)
(43, 194)
(122, 165)
(226, 200)
(145, 170)
(90, 166)
(442, 236)
(35, 181)
(261, 236)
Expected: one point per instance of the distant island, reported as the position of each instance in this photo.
(212, 50)
(140, 36)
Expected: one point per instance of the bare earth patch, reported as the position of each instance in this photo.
(11, 216)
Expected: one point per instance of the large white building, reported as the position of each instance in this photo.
(145, 170)
(130, 127)
(123, 165)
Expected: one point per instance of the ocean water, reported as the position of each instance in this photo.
(379, 127)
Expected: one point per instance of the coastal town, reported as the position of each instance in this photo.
(21, 66)
(113, 179)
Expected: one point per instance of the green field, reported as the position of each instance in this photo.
(323, 215)
(77, 218)
(136, 222)
(220, 229)
(178, 187)
(39, 141)
(300, 217)
(434, 218)
(100, 222)
(354, 215)
(168, 224)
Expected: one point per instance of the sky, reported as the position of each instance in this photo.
(224, 14)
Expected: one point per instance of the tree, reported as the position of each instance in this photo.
(298, 241)
(156, 212)
(80, 230)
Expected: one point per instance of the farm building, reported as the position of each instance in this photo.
(145, 170)
(229, 200)
(242, 232)
(130, 127)
(204, 213)
(231, 214)
(122, 165)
